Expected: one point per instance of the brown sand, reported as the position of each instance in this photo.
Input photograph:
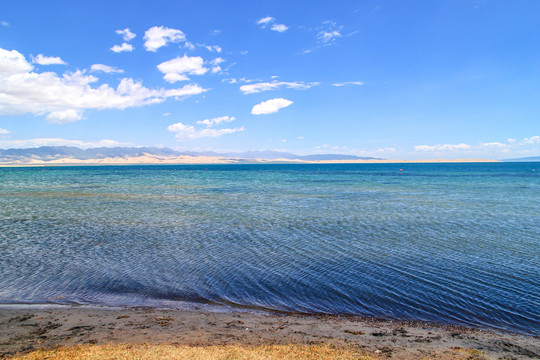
(26, 329)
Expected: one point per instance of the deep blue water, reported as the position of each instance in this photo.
(448, 243)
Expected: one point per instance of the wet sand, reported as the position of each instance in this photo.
(26, 329)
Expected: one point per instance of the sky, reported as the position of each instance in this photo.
(417, 79)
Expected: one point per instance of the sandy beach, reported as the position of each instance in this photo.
(23, 330)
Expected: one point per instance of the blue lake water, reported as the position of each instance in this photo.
(448, 243)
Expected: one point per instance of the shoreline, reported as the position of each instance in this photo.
(27, 328)
(227, 161)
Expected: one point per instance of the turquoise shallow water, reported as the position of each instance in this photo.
(449, 243)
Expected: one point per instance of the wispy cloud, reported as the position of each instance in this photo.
(33, 143)
(105, 68)
(48, 60)
(125, 47)
(445, 147)
(215, 64)
(4, 23)
(213, 48)
(329, 32)
(270, 106)
(4, 131)
(348, 83)
(266, 86)
(216, 121)
(159, 36)
(269, 21)
(265, 21)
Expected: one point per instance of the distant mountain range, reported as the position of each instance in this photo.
(65, 153)
(525, 159)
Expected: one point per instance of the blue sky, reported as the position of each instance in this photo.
(391, 79)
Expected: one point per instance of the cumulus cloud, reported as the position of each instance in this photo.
(216, 120)
(4, 131)
(33, 143)
(48, 60)
(64, 98)
(348, 83)
(269, 21)
(189, 132)
(159, 36)
(126, 34)
(125, 47)
(279, 27)
(105, 68)
(265, 86)
(177, 69)
(270, 106)
(64, 116)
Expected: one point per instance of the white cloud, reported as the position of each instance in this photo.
(265, 86)
(178, 68)
(65, 97)
(348, 83)
(213, 48)
(187, 90)
(4, 23)
(189, 132)
(265, 21)
(13, 62)
(494, 145)
(167, 114)
(300, 138)
(484, 147)
(105, 68)
(215, 64)
(122, 48)
(4, 131)
(48, 60)
(33, 143)
(279, 27)
(532, 140)
(328, 37)
(64, 116)
(445, 147)
(189, 45)
(216, 121)
(159, 36)
(328, 34)
(126, 34)
(270, 106)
